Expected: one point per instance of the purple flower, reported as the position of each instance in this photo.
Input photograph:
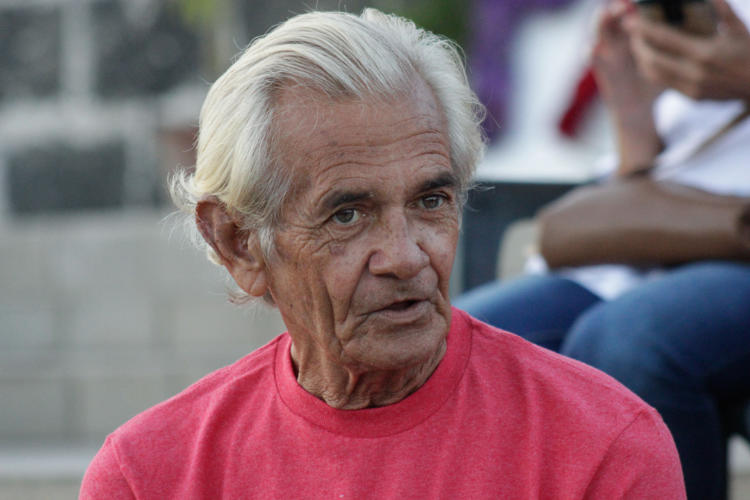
(493, 24)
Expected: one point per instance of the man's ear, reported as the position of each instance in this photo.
(238, 251)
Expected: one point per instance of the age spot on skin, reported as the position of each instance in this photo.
(336, 249)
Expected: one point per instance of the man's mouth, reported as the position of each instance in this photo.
(404, 311)
(401, 305)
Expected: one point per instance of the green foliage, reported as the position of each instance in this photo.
(200, 13)
(449, 18)
(212, 20)
(446, 17)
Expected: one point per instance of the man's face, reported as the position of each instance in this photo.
(364, 252)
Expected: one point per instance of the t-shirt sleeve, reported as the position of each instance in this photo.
(642, 462)
(104, 478)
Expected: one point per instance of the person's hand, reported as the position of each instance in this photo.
(625, 91)
(716, 67)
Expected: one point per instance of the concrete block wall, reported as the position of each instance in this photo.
(89, 88)
(118, 315)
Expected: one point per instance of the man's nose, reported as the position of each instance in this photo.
(398, 250)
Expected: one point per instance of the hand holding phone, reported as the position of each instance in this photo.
(701, 67)
(693, 16)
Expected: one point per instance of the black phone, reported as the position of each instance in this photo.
(694, 16)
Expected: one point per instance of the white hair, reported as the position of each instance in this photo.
(341, 56)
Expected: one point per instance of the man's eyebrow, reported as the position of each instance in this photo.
(337, 198)
(446, 179)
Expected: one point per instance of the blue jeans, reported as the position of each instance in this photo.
(681, 342)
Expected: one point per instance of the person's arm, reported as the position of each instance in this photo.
(642, 462)
(628, 96)
(104, 479)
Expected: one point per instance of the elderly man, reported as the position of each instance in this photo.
(333, 161)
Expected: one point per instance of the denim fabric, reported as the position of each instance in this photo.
(539, 308)
(680, 341)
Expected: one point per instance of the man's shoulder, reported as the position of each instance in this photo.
(556, 384)
(584, 430)
(184, 412)
(150, 448)
(577, 413)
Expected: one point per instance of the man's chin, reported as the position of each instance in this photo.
(410, 339)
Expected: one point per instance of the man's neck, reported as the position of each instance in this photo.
(354, 388)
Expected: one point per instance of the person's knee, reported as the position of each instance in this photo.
(606, 339)
(593, 341)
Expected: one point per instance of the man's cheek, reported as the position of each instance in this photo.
(337, 249)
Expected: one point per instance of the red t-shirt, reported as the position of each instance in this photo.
(499, 418)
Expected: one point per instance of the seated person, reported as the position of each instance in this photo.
(333, 160)
(678, 337)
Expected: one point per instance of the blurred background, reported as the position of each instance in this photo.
(105, 309)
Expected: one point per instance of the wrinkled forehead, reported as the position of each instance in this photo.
(306, 120)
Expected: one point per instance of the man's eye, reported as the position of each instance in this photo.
(346, 216)
(432, 201)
